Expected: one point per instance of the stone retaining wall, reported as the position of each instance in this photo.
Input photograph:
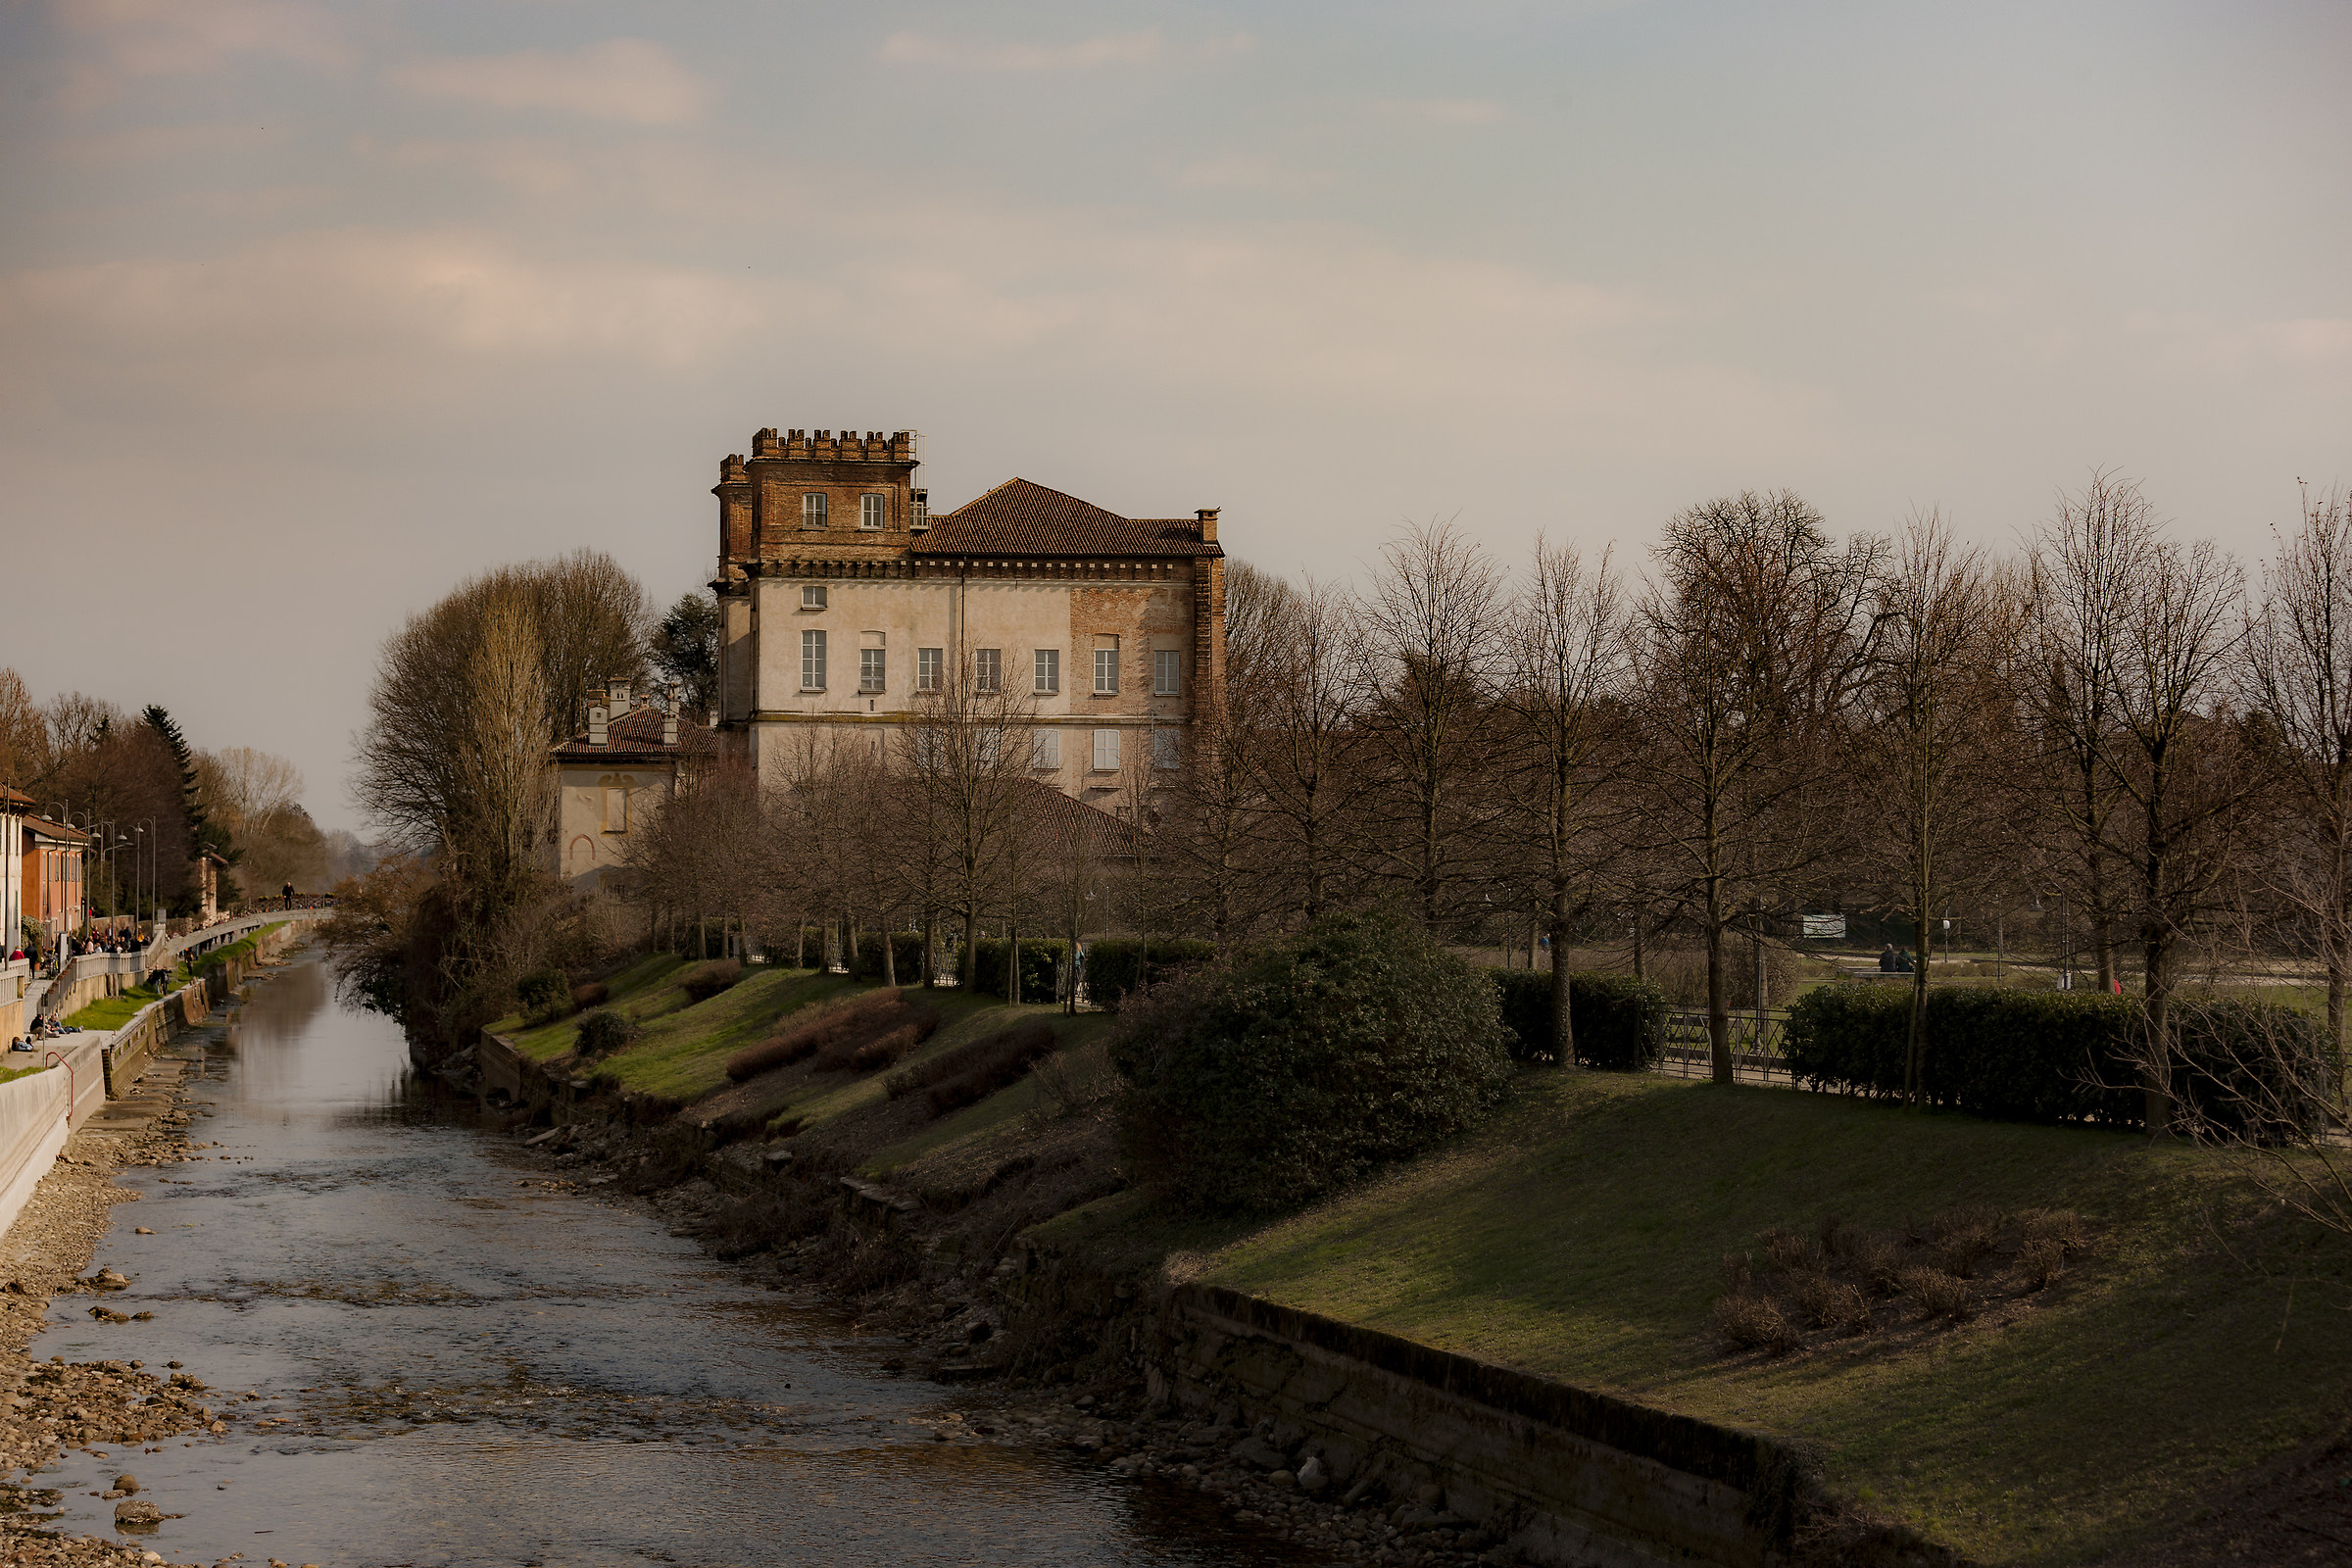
(1567, 1475)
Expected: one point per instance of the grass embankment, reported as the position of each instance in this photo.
(109, 1013)
(1583, 1234)
(681, 1052)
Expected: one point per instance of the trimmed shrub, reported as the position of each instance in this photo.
(890, 1044)
(602, 1033)
(1117, 966)
(906, 956)
(707, 980)
(1041, 968)
(542, 992)
(1619, 1022)
(595, 994)
(804, 1034)
(971, 1073)
(1276, 1075)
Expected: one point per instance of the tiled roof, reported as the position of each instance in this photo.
(1063, 818)
(1020, 519)
(639, 730)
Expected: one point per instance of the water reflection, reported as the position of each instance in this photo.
(466, 1367)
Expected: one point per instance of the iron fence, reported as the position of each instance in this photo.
(1758, 1044)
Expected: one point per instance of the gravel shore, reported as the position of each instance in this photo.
(109, 1408)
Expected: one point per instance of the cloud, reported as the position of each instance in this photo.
(1447, 111)
(1249, 171)
(905, 48)
(131, 40)
(628, 79)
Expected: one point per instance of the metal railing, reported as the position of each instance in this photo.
(1758, 1044)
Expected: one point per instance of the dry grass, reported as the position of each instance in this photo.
(1754, 1323)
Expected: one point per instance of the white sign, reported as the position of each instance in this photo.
(1825, 927)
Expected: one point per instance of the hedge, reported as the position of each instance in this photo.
(1041, 968)
(1619, 1021)
(1117, 965)
(2051, 1055)
(907, 955)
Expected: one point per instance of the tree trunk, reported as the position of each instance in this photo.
(1915, 1045)
(967, 966)
(890, 958)
(1719, 1011)
(1563, 1028)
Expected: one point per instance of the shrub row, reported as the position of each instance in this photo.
(1118, 965)
(2056, 1055)
(851, 1023)
(970, 1073)
(906, 956)
(1041, 968)
(884, 1049)
(1619, 1022)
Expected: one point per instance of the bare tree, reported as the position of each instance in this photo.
(1928, 741)
(2298, 676)
(2080, 568)
(1432, 645)
(2185, 771)
(1564, 690)
(1307, 716)
(1211, 845)
(965, 754)
(1746, 655)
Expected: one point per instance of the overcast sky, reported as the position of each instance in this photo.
(308, 310)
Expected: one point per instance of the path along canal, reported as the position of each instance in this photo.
(470, 1365)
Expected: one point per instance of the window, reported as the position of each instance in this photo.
(617, 810)
(1106, 751)
(812, 510)
(812, 598)
(1048, 671)
(1164, 669)
(1167, 749)
(927, 748)
(869, 669)
(927, 664)
(812, 660)
(990, 743)
(1107, 667)
(869, 511)
(1044, 748)
(988, 668)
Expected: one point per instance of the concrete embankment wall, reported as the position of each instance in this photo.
(38, 1110)
(1567, 1475)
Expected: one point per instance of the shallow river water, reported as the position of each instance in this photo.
(482, 1370)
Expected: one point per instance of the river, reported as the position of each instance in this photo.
(480, 1369)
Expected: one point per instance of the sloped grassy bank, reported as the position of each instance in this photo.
(1582, 1236)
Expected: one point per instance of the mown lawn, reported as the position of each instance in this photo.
(1582, 1236)
(110, 1014)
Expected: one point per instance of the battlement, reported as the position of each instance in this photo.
(824, 446)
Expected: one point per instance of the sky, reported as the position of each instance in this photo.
(308, 312)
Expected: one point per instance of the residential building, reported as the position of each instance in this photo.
(52, 861)
(630, 758)
(843, 601)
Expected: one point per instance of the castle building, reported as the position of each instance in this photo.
(843, 601)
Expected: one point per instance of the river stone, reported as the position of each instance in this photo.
(1312, 1476)
(127, 1482)
(135, 1512)
(1257, 1450)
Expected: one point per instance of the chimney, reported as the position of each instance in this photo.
(596, 723)
(619, 686)
(1208, 523)
(669, 722)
